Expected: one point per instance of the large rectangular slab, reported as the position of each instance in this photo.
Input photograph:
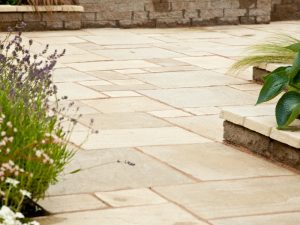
(198, 97)
(188, 79)
(237, 198)
(214, 161)
(100, 171)
(165, 214)
(111, 65)
(136, 137)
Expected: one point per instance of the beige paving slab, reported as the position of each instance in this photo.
(188, 79)
(291, 138)
(209, 62)
(260, 124)
(133, 197)
(123, 120)
(100, 172)
(247, 87)
(112, 65)
(132, 87)
(118, 138)
(76, 108)
(117, 94)
(131, 71)
(129, 104)
(137, 53)
(166, 214)
(208, 126)
(113, 38)
(214, 161)
(69, 203)
(108, 75)
(70, 75)
(201, 97)
(235, 198)
(237, 114)
(127, 82)
(58, 40)
(88, 57)
(274, 219)
(77, 92)
(172, 69)
(170, 113)
(91, 83)
(200, 111)
(167, 62)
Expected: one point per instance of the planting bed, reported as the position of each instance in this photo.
(254, 127)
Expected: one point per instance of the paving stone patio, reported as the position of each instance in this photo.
(155, 95)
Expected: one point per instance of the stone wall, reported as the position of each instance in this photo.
(285, 10)
(62, 17)
(171, 13)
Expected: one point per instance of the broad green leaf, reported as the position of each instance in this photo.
(287, 109)
(294, 47)
(274, 84)
(274, 71)
(296, 67)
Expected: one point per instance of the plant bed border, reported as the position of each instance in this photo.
(56, 17)
(262, 145)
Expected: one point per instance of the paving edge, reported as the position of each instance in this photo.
(261, 145)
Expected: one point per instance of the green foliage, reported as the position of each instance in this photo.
(281, 49)
(281, 79)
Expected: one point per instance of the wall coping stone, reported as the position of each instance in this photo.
(53, 8)
(261, 119)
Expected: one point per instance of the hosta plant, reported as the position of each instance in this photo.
(284, 79)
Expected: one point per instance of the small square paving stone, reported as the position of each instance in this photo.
(119, 138)
(166, 214)
(69, 203)
(219, 199)
(214, 161)
(100, 171)
(128, 104)
(274, 219)
(132, 197)
(200, 97)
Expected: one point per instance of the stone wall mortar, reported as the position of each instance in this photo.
(172, 13)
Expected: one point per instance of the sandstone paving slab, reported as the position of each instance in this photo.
(69, 203)
(88, 57)
(119, 138)
(70, 75)
(208, 126)
(58, 40)
(128, 104)
(77, 92)
(127, 82)
(188, 79)
(133, 197)
(209, 62)
(170, 113)
(211, 200)
(200, 111)
(124, 87)
(101, 172)
(108, 75)
(214, 161)
(123, 120)
(165, 214)
(116, 94)
(92, 83)
(112, 65)
(137, 53)
(274, 219)
(167, 62)
(172, 69)
(247, 87)
(74, 108)
(201, 97)
(130, 71)
(116, 39)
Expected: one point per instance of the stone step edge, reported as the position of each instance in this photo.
(291, 138)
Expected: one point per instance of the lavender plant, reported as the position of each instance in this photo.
(33, 144)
